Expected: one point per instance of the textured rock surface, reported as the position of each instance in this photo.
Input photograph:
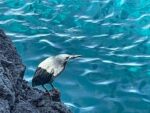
(15, 95)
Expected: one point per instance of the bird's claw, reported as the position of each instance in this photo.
(56, 91)
(47, 93)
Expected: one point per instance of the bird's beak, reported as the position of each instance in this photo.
(74, 56)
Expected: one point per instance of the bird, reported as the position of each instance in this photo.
(51, 68)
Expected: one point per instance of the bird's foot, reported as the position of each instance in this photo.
(47, 93)
(55, 94)
(56, 91)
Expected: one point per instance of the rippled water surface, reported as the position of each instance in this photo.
(113, 36)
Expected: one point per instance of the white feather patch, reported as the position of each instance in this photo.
(51, 66)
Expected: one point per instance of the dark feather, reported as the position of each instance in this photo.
(41, 77)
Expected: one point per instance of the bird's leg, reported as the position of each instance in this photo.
(45, 88)
(52, 86)
(54, 89)
(47, 92)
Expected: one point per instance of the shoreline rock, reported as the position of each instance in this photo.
(16, 96)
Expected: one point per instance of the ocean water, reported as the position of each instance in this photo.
(113, 36)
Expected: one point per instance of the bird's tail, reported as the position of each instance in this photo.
(34, 82)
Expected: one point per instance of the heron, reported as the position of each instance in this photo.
(51, 68)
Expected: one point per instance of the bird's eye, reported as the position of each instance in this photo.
(67, 57)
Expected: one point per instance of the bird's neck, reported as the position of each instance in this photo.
(61, 63)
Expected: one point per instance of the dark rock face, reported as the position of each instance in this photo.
(15, 95)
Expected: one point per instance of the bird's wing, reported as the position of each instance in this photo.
(51, 66)
(41, 77)
(44, 73)
(47, 64)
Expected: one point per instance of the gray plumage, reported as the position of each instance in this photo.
(50, 68)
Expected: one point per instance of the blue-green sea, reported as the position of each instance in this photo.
(113, 37)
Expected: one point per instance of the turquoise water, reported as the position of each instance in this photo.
(113, 36)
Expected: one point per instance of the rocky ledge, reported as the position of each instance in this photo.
(16, 96)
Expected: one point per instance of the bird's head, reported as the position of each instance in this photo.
(66, 57)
